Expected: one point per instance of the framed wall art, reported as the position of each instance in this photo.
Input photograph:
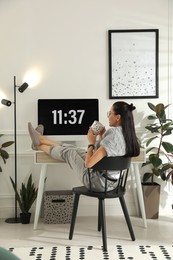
(133, 63)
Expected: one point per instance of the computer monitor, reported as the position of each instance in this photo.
(67, 116)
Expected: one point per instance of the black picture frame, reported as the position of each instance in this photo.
(133, 63)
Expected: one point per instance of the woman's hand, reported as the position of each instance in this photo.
(102, 133)
(91, 136)
(92, 156)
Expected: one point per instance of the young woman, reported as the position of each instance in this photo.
(119, 140)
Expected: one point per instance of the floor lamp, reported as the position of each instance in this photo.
(8, 103)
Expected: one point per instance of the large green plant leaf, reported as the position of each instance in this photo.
(4, 155)
(155, 160)
(150, 140)
(156, 172)
(151, 148)
(167, 166)
(159, 107)
(166, 106)
(167, 126)
(162, 116)
(6, 144)
(168, 147)
(146, 163)
(153, 128)
(147, 176)
(168, 132)
(163, 175)
(170, 176)
(152, 117)
(152, 106)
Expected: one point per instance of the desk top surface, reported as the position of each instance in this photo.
(43, 158)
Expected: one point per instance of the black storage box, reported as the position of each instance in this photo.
(58, 206)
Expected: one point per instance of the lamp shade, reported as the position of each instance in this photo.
(6, 102)
(23, 87)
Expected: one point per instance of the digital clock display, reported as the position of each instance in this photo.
(67, 116)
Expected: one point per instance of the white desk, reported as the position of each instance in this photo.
(45, 160)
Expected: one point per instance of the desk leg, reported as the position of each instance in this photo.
(40, 194)
(139, 192)
(133, 184)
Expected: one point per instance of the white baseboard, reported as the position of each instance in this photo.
(87, 206)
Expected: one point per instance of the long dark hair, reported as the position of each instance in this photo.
(127, 123)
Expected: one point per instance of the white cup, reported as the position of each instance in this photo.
(97, 127)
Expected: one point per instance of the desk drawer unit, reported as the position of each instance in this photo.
(58, 206)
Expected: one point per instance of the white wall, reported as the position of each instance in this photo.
(66, 42)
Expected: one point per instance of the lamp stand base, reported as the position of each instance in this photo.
(13, 220)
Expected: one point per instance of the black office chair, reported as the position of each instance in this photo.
(120, 164)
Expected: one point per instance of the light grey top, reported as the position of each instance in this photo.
(114, 144)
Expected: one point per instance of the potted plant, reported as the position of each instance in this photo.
(25, 197)
(158, 162)
(3, 153)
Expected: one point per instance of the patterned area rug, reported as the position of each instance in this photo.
(117, 252)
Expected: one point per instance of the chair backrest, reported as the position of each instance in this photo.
(117, 163)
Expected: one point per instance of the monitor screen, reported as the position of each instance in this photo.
(67, 116)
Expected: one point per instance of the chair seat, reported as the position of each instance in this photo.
(82, 190)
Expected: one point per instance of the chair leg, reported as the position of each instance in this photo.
(99, 216)
(126, 214)
(73, 218)
(103, 223)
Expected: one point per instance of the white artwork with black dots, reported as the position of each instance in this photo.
(133, 58)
